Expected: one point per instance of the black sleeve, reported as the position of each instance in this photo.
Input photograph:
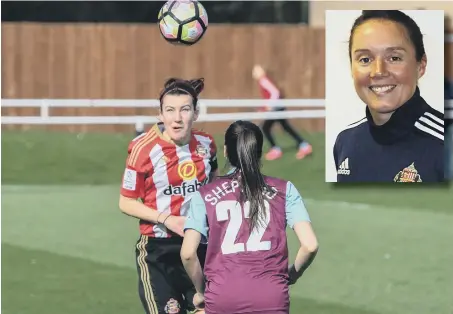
(213, 163)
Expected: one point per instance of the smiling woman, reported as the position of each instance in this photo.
(401, 137)
(387, 57)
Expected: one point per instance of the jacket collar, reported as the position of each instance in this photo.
(401, 123)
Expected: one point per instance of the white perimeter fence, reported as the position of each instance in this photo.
(306, 108)
(295, 108)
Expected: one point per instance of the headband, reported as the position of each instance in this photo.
(183, 88)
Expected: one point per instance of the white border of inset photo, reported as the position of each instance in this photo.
(343, 106)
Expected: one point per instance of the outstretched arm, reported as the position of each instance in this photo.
(195, 230)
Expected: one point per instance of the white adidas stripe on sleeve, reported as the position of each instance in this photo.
(431, 125)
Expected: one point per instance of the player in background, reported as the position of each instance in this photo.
(244, 216)
(164, 168)
(270, 91)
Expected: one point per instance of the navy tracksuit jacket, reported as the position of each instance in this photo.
(408, 148)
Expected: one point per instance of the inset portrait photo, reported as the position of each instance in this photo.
(385, 96)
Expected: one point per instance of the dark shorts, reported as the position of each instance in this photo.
(164, 286)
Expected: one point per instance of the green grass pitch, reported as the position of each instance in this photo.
(66, 248)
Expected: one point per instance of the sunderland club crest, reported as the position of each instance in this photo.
(408, 174)
(172, 306)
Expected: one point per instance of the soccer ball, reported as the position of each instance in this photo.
(182, 21)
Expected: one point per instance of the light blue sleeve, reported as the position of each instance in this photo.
(196, 217)
(295, 207)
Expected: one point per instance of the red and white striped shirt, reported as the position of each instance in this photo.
(164, 175)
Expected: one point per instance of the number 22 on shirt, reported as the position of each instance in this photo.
(237, 214)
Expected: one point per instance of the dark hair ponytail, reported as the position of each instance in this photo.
(177, 86)
(244, 144)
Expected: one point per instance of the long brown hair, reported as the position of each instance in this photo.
(244, 146)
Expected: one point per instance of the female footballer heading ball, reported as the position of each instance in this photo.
(164, 167)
